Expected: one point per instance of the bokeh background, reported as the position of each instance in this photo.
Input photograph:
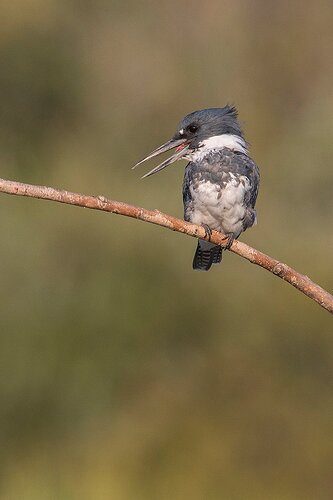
(124, 374)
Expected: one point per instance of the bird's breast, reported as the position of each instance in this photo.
(219, 204)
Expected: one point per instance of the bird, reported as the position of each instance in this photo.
(221, 180)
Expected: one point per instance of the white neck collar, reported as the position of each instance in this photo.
(233, 142)
(229, 141)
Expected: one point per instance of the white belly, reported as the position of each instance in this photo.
(221, 209)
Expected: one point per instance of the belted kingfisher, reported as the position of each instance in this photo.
(221, 181)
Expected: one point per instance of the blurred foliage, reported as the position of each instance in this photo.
(125, 375)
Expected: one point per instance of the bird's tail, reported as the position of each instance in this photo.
(206, 255)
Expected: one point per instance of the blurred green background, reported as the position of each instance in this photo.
(124, 374)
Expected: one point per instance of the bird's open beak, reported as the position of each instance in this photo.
(182, 148)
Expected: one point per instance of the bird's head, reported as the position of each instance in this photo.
(208, 128)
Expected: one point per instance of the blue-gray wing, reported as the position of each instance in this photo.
(187, 197)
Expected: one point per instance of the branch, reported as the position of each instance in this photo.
(299, 281)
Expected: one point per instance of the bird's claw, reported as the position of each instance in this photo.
(229, 241)
(208, 231)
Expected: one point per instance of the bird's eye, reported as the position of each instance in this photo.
(192, 128)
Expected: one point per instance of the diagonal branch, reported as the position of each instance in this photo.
(299, 281)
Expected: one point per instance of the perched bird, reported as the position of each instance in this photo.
(221, 181)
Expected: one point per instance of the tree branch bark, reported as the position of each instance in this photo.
(299, 281)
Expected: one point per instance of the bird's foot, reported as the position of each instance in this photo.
(208, 231)
(229, 241)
